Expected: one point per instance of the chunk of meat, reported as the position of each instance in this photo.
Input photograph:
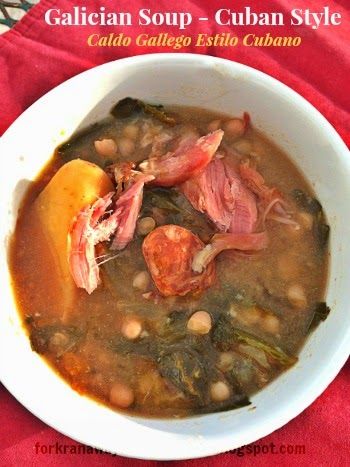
(128, 209)
(85, 232)
(220, 193)
(271, 200)
(169, 251)
(123, 174)
(228, 241)
(188, 160)
(91, 227)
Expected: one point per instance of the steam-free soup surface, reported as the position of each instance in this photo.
(131, 346)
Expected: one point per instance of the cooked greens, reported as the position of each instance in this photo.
(321, 312)
(173, 208)
(185, 360)
(62, 338)
(321, 230)
(186, 371)
(225, 336)
(306, 202)
(129, 106)
(313, 206)
(162, 198)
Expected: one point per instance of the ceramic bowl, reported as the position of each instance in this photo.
(218, 85)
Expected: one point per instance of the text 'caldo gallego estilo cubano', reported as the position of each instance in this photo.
(200, 40)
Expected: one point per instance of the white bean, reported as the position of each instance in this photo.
(306, 220)
(145, 225)
(288, 267)
(219, 391)
(296, 296)
(234, 128)
(131, 131)
(214, 125)
(141, 280)
(256, 354)
(225, 361)
(259, 148)
(58, 341)
(121, 395)
(126, 146)
(199, 322)
(249, 316)
(131, 328)
(294, 231)
(243, 146)
(270, 324)
(106, 147)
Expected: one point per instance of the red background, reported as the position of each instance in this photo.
(35, 57)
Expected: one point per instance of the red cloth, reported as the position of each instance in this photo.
(35, 57)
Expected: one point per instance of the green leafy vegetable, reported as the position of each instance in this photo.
(64, 147)
(128, 106)
(313, 206)
(321, 231)
(69, 148)
(185, 360)
(145, 347)
(225, 336)
(162, 198)
(186, 371)
(59, 338)
(223, 296)
(306, 202)
(175, 328)
(276, 353)
(177, 357)
(190, 372)
(175, 210)
(320, 314)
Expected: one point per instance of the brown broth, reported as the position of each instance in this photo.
(88, 351)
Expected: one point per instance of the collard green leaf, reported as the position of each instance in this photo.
(177, 210)
(306, 202)
(186, 371)
(320, 314)
(40, 338)
(225, 336)
(311, 205)
(321, 231)
(161, 198)
(129, 106)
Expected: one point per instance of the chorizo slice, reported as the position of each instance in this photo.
(169, 251)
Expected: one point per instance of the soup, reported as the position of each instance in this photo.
(170, 262)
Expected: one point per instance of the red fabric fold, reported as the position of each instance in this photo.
(35, 57)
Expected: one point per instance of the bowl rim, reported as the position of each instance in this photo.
(337, 359)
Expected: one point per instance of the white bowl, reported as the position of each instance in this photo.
(218, 85)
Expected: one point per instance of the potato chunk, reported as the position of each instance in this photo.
(75, 185)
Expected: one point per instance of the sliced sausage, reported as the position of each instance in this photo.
(169, 251)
